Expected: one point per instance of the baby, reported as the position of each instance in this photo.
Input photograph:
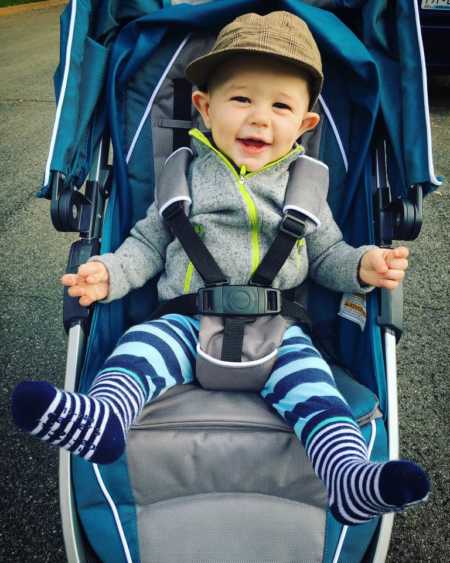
(257, 87)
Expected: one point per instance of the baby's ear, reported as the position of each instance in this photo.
(309, 122)
(200, 101)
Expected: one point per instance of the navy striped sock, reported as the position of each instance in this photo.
(359, 489)
(92, 426)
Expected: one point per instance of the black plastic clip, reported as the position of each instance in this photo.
(293, 226)
(239, 300)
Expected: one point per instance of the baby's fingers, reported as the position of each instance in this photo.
(93, 272)
(86, 301)
(88, 294)
(401, 252)
(398, 264)
(396, 275)
(69, 279)
(76, 291)
(389, 284)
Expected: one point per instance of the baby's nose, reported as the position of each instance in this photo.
(260, 117)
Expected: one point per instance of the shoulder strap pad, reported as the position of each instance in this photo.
(307, 189)
(172, 184)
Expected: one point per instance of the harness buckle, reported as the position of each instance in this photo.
(173, 210)
(293, 225)
(238, 300)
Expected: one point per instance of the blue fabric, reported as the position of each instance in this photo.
(396, 51)
(82, 115)
(98, 520)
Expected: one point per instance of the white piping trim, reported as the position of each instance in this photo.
(327, 111)
(237, 365)
(314, 160)
(433, 178)
(313, 218)
(173, 200)
(175, 152)
(99, 161)
(153, 96)
(344, 530)
(73, 14)
(373, 424)
(115, 514)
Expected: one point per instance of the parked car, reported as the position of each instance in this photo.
(435, 24)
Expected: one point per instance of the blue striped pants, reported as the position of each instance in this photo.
(160, 354)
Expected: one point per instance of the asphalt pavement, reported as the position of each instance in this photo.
(33, 256)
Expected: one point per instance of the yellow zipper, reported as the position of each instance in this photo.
(199, 229)
(188, 277)
(252, 212)
(298, 248)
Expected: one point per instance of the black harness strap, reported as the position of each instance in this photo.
(182, 91)
(291, 229)
(183, 305)
(204, 263)
(233, 338)
(296, 311)
(188, 305)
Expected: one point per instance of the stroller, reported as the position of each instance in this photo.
(216, 476)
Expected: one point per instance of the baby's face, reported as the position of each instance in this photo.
(256, 111)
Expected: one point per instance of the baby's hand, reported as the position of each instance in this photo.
(90, 284)
(384, 267)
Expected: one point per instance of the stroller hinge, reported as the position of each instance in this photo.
(399, 219)
(72, 210)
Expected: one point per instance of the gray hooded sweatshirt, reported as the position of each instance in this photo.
(237, 214)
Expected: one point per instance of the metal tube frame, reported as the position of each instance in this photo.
(73, 540)
(71, 530)
(387, 521)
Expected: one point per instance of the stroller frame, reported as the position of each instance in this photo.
(394, 223)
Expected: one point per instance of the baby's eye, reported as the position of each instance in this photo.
(241, 99)
(281, 105)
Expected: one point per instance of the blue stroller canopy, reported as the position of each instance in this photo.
(385, 44)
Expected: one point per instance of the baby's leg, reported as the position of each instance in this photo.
(302, 390)
(149, 359)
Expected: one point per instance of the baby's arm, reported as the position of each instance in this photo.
(332, 262)
(339, 266)
(111, 276)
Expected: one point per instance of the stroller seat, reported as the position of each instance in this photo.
(228, 476)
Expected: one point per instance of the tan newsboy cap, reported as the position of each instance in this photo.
(279, 34)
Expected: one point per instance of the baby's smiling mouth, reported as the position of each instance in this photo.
(250, 142)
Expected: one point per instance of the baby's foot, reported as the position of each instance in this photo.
(361, 490)
(86, 426)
